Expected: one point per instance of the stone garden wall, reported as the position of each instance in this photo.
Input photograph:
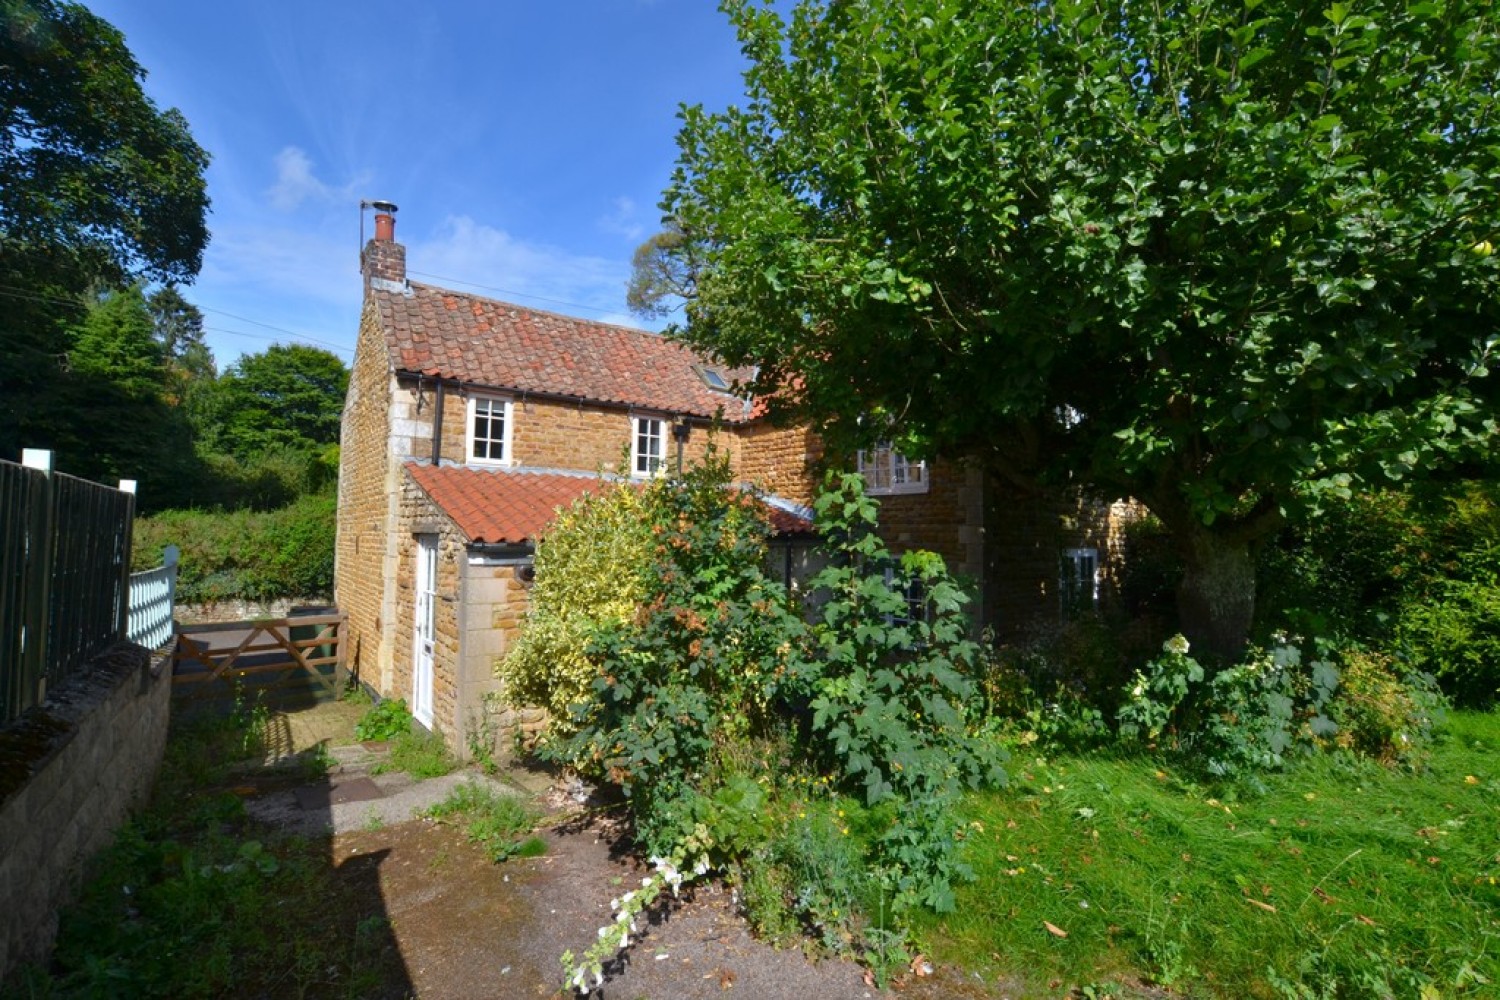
(70, 772)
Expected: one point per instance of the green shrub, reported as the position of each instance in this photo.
(1384, 710)
(1417, 568)
(1454, 633)
(245, 555)
(1061, 678)
(588, 576)
(1244, 719)
(1251, 717)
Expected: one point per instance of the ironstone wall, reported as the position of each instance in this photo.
(73, 770)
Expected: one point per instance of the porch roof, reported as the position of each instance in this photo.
(511, 506)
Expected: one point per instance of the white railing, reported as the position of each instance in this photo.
(153, 598)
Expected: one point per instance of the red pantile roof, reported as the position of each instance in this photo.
(496, 506)
(784, 522)
(436, 332)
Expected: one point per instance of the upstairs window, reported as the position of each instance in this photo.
(1078, 585)
(887, 471)
(646, 446)
(489, 430)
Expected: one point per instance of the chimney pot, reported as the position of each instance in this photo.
(383, 258)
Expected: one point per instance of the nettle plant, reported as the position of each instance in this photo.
(1244, 719)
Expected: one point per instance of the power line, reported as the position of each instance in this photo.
(28, 295)
(261, 336)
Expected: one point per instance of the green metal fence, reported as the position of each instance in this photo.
(64, 577)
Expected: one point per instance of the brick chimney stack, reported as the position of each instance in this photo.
(383, 259)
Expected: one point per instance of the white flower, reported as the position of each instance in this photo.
(701, 868)
(645, 882)
(1177, 644)
(603, 931)
(625, 938)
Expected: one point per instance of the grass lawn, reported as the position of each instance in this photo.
(1341, 879)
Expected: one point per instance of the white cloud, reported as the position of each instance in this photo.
(296, 182)
(305, 277)
(282, 262)
(467, 251)
(622, 221)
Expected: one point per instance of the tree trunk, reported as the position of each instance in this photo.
(1216, 599)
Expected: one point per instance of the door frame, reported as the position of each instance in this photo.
(424, 629)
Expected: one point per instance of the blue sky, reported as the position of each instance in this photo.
(526, 144)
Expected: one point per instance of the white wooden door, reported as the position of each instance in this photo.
(425, 629)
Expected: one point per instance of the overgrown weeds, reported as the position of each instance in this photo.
(828, 762)
(501, 824)
(384, 721)
(420, 753)
(194, 899)
(706, 675)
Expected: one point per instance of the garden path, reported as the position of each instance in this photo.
(468, 928)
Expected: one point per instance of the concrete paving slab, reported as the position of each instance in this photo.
(319, 797)
(402, 798)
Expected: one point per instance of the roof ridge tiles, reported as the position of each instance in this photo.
(475, 339)
(442, 289)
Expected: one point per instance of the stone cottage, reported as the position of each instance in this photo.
(470, 421)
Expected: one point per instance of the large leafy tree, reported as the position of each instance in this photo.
(661, 274)
(289, 396)
(1222, 256)
(97, 185)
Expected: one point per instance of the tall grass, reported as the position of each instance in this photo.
(1344, 878)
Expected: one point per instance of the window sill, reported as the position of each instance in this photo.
(890, 491)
